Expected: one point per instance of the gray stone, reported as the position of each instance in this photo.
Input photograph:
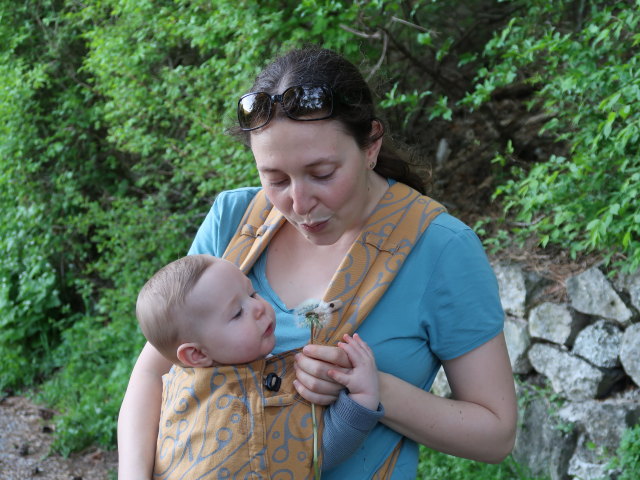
(588, 463)
(440, 385)
(511, 283)
(603, 422)
(536, 286)
(545, 449)
(634, 290)
(576, 440)
(599, 344)
(570, 376)
(555, 323)
(591, 293)
(630, 352)
(518, 342)
(630, 283)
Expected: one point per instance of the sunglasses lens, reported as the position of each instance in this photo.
(254, 110)
(308, 103)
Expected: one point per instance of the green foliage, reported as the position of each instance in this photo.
(29, 301)
(438, 466)
(627, 461)
(588, 84)
(112, 146)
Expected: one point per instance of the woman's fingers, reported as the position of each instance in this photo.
(328, 354)
(313, 375)
(313, 397)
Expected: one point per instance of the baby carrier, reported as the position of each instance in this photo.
(247, 421)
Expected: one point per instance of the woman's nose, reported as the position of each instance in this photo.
(302, 201)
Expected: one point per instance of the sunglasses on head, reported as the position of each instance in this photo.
(300, 102)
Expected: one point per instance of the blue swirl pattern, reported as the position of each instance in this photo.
(220, 422)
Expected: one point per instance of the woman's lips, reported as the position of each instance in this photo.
(314, 227)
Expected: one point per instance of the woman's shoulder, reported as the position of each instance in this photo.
(449, 223)
(237, 197)
(221, 222)
(447, 230)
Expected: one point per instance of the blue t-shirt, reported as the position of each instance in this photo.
(443, 303)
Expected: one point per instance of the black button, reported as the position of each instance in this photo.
(272, 382)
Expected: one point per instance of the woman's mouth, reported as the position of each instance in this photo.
(314, 227)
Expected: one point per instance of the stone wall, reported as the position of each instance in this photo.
(577, 367)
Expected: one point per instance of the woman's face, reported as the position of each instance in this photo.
(318, 177)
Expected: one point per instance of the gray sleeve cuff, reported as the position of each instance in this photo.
(354, 414)
(346, 425)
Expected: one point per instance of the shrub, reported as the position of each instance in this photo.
(627, 461)
(585, 73)
(438, 466)
(112, 146)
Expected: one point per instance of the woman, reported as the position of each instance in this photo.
(324, 164)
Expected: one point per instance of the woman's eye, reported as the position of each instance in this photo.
(277, 183)
(239, 314)
(324, 176)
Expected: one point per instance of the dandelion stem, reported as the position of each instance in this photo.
(316, 467)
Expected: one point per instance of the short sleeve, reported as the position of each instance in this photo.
(222, 221)
(462, 298)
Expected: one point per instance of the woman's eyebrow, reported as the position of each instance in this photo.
(315, 163)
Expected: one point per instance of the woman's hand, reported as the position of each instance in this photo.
(313, 382)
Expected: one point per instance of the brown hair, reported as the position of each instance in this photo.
(160, 300)
(354, 108)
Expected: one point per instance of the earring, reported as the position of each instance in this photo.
(372, 165)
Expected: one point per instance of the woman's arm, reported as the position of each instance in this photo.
(479, 423)
(139, 416)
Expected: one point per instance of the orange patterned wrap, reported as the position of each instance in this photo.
(221, 422)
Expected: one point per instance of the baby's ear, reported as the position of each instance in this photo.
(191, 355)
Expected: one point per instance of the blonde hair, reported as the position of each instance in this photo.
(159, 308)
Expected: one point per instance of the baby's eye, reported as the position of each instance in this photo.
(254, 295)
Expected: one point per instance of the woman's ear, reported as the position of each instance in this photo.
(191, 355)
(377, 132)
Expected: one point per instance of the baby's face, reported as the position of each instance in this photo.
(233, 324)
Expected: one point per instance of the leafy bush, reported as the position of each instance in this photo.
(438, 466)
(112, 147)
(112, 143)
(585, 73)
(627, 461)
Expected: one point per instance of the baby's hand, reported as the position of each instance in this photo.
(362, 379)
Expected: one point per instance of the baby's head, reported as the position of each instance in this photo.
(201, 311)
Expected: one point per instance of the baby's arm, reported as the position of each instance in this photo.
(348, 421)
(362, 379)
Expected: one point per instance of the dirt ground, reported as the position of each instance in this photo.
(24, 448)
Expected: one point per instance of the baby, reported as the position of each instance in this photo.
(201, 311)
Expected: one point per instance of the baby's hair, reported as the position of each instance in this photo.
(162, 298)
